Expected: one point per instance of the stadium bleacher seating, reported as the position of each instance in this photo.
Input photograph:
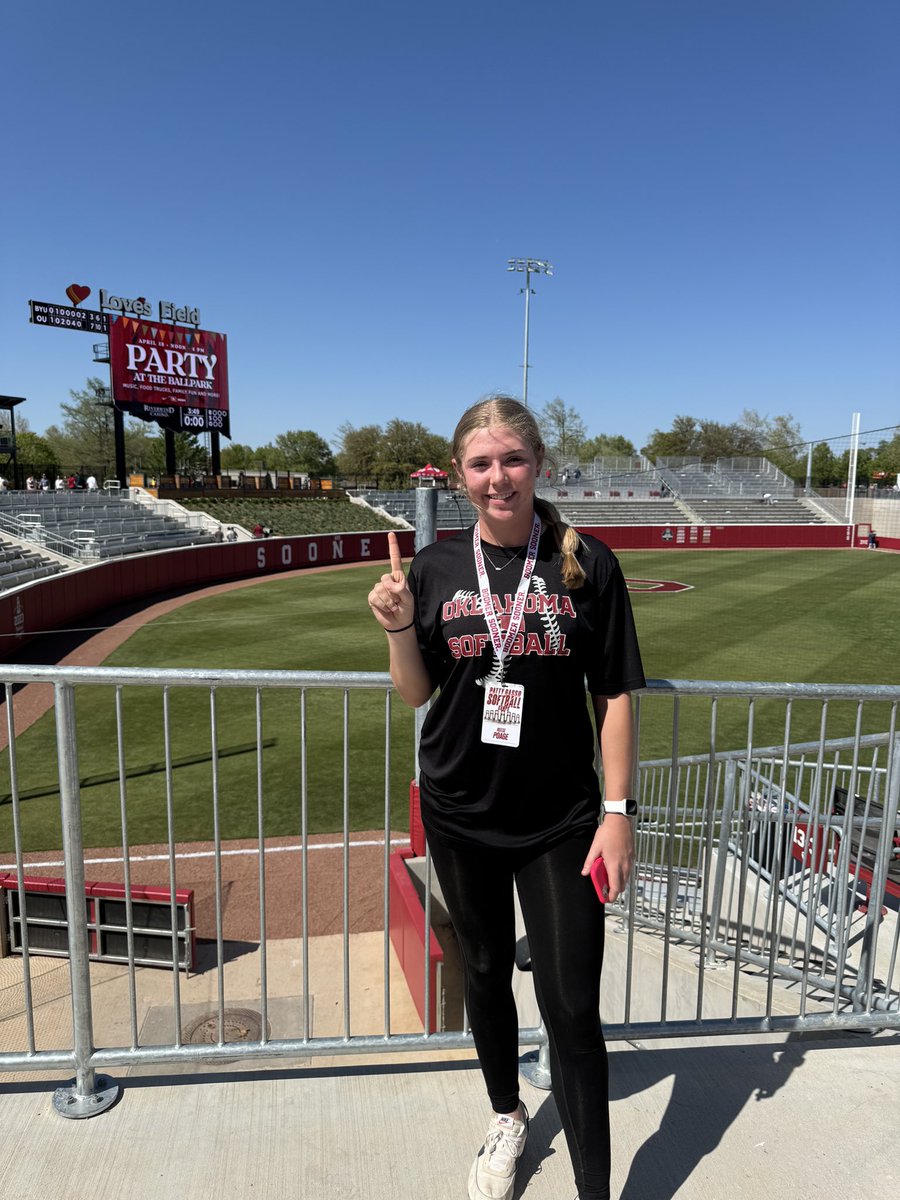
(20, 564)
(81, 524)
(47, 531)
(733, 491)
(737, 491)
(619, 512)
(734, 510)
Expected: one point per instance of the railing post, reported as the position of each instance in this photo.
(536, 1067)
(715, 908)
(88, 1094)
(865, 975)
(426, 517)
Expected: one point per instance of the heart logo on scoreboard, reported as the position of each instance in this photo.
(77, 292)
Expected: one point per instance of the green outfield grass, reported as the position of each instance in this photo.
(827, 616)
(794, 616)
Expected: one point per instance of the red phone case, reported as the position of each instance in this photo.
(600, 880)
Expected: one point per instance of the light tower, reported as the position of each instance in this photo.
(531, 266)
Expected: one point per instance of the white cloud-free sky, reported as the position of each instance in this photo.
(338, 187)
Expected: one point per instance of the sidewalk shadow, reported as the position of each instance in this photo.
(207, 953)
(711, 1086)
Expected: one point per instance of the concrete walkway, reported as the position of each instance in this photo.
(811, 1117)
(805, 1118)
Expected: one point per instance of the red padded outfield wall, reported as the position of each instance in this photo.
(717, 537)
(722, 537)
(64, 600)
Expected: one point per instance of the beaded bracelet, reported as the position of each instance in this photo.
(401, 629)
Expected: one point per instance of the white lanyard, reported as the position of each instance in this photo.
(500, 643)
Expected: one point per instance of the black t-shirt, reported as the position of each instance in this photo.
(545, 788)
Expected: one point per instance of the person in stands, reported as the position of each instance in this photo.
(505, 620)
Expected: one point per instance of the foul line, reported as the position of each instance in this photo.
(133, 858)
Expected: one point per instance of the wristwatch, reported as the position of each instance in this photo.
(625, 808)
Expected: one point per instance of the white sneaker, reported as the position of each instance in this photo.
(494, 1169)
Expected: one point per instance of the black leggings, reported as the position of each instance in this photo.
(564, 921)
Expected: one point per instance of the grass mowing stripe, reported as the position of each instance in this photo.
(151, 768)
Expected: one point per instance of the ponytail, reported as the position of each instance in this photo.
(568, 543)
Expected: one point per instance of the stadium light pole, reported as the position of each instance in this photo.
(531, 266)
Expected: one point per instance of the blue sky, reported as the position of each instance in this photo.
(338, 188)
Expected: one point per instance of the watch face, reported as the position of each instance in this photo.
(628, 807)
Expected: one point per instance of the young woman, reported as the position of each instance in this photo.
(507, 619)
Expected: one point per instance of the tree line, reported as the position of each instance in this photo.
(779, 440)
(385, 455)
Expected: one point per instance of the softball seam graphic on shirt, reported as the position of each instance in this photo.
(498, 666)
(497, 672)
(547, 615)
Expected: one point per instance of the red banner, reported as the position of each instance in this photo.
(165, 373)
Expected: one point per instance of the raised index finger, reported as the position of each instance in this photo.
(396, 560)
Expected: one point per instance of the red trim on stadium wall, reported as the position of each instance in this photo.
(64, 600)
(720, 537)
(716, 537)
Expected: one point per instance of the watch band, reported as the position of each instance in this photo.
(625, 808)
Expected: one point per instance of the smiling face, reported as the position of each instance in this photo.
(498, 468)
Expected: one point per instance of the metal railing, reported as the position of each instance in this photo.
(32, 532)
(811, 874)
(757, 465)
(189, 518)
(834, 510)
(724, 929)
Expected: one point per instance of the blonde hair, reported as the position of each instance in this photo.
(512, 414)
